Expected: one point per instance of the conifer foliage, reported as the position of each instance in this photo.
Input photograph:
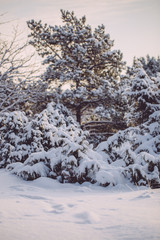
(78, 56)
(143, 93)
(83, 75)
(51, 145)
(150, 64)
(135, 152)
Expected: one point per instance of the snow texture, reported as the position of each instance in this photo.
(53, 145)
(45, 209)
(135, 152)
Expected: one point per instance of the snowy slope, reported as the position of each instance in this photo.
(45, 209)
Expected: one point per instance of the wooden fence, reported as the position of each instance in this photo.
(103, 128)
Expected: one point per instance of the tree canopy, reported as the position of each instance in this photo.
(77, 56)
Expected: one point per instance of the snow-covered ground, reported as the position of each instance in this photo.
(45, 209)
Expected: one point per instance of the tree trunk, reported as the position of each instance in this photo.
(78, 114)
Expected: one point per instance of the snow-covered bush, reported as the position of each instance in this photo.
(11, 133)
(51, 145)
(136, 152)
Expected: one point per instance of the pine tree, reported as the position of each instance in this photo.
(77, 56)
(143, 95)
(150, 64)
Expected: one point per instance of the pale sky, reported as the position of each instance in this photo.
(133, 24)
